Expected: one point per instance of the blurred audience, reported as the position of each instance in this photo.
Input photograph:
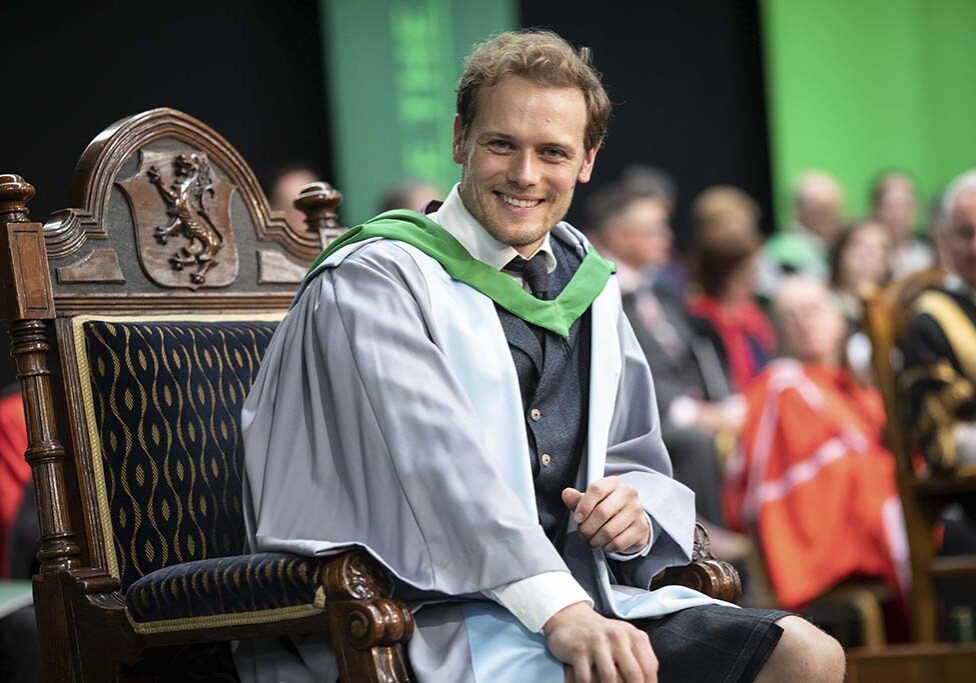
(818, 205)
(939, 347)
(812, 480)
(409, 194)
(859, 262)
(630, 222)
(285, 186)
(20, 658)
(723, 264)
(894, 204)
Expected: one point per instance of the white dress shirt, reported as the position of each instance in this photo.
(535, 599)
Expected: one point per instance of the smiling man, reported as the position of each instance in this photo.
(461, 394)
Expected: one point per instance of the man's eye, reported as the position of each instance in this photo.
(500, 145)
(553, 153)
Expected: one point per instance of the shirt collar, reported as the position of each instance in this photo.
(454, 217)
(956, 284)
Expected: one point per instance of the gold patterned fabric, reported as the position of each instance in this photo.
(165, 406)
(218, 588)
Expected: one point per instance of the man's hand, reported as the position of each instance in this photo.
(609, 514)
(598, 649)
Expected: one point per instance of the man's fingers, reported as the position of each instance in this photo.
(571, 497)
(604, 511)
(628, 668)
(606, 667)
(596, 492)
(644, 654)
(635, 534)
(582, 670)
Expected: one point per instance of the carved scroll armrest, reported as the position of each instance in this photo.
(714, 578)
(370, 629)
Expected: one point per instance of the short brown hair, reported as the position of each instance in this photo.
(542, 57)
(726, 235)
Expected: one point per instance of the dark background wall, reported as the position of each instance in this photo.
(251, 70)
(686, 79)
(687, 84)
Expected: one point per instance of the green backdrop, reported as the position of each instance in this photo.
(857, 86)
(393, 67)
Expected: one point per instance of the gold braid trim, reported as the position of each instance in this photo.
(955, 325)
(241, 618)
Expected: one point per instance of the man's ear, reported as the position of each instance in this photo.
(588, 160)
(457, 148)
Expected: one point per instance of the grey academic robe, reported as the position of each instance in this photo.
(386, 414)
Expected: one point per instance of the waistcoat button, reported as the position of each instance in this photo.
(546, 460)
(535, 414)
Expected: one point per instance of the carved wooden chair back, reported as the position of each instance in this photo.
(139, 320)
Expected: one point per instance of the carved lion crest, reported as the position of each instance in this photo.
(181, 210)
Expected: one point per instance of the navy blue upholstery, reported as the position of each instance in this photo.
(167, 400)
(228, 585)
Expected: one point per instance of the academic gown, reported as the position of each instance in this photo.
(387, 415)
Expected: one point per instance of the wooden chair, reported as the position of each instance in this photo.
(138, 320)
(886, 314)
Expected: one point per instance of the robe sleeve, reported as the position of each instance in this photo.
(637, 455)
(357, 432)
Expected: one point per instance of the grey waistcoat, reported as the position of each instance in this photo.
(553, 376)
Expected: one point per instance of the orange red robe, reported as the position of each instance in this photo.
(15, 473)
(813, 480)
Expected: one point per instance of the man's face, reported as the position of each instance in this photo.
(640, 235)
(961, 238)
(813, 327)
(521, 158)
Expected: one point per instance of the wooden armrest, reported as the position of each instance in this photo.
(714, 578)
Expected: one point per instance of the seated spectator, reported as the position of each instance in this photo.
(812, 479)
(858, 262)
(285, 186)
(818, 204)
(723, 265)
(894, 204)
(409, 194)
(630, 221)
(940, 342)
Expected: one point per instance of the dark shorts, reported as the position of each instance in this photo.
(713, 643)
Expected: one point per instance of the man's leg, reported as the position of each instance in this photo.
(804, 654)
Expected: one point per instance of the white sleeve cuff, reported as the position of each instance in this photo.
(635, 552)
(535, 599)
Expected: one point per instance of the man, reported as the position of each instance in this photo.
(818, 203)
(940, 341)
(489, 445)
(630, 221)
(813, 480)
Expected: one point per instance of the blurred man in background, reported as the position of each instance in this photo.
(818, 203)
(630, 220)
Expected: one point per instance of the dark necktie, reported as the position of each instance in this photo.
(533, 272)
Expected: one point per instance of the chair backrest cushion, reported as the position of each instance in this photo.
(163, 401)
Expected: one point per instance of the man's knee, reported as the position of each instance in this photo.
(804, 654)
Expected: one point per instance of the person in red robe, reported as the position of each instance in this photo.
(812, 479)
(15, 473)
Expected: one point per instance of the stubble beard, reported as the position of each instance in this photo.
(482, 213)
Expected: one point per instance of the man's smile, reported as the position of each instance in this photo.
(518, 202)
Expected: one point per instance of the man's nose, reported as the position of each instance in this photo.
(524, 169)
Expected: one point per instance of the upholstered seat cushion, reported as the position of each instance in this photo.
(242, 585)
